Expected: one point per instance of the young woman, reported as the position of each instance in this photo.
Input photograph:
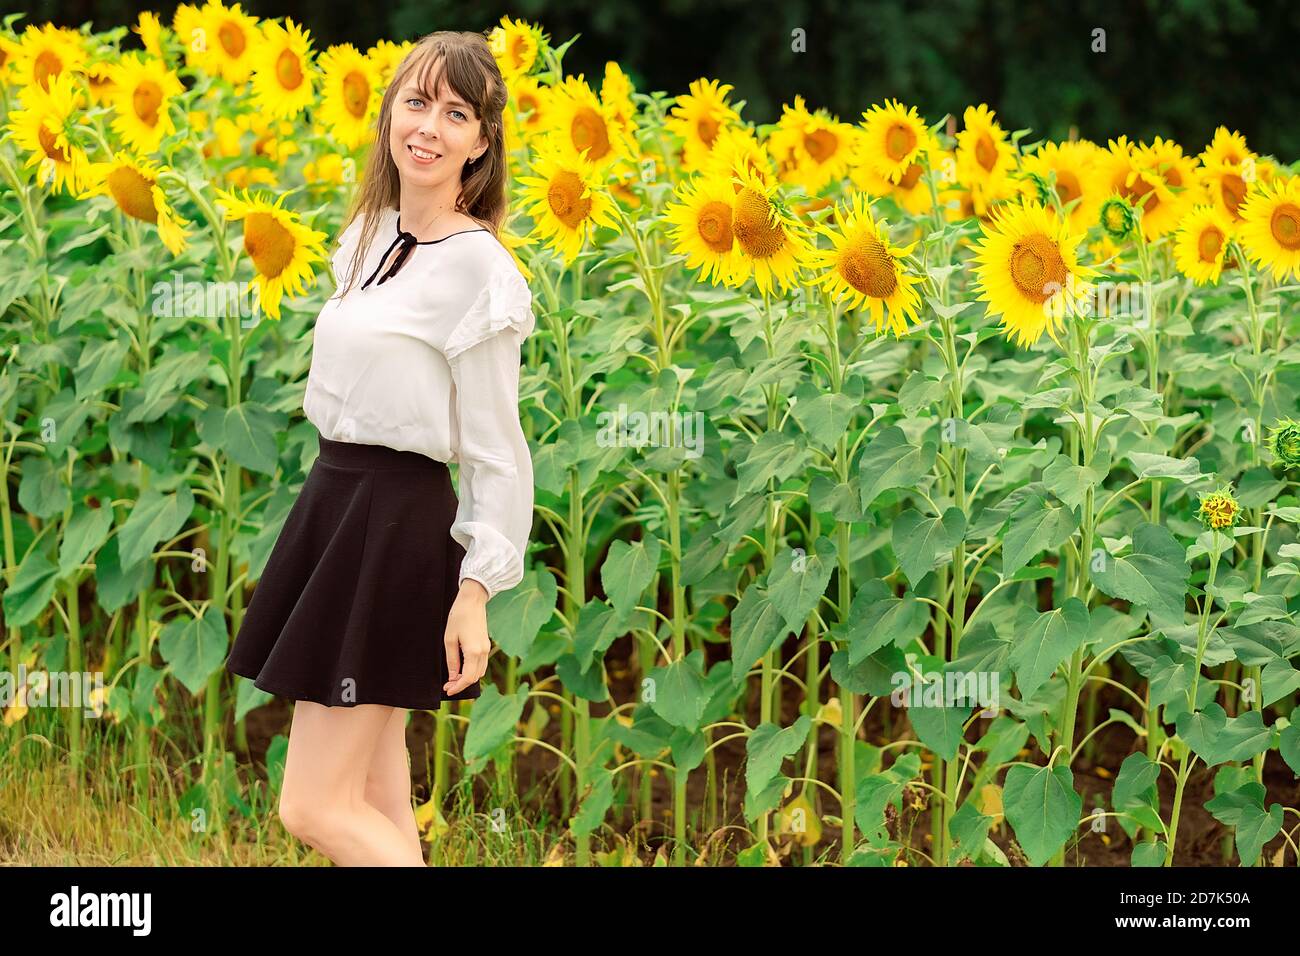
(373, 600)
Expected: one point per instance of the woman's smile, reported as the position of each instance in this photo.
(422, 156)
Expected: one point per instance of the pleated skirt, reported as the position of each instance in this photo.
(352, 605)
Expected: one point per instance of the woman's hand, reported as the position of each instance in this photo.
(467, 637)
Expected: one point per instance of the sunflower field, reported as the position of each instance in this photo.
(910, 491)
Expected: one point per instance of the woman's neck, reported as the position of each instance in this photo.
(429, 214)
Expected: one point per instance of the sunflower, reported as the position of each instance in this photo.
(97, 78)
(770, 242)
(282, 248)
(983, 154)
(568, 197)
(283, 74)
(865, 268)
(142, 90)
(704, 229)
(350, 94)
(911, 192)
(386, 56)
(149, 29)
(815, 147)
(738, 146)
(1284, 441)
(1029, 272)
(1201, 244)
(616, 93)
(230, 38)
(187, 24)
(578, 116)
(1226, 187)
(1270, 226)
(1228, 148)
(896, 141)
(531, 101)
(698, 117)
(514, 44)
(1164, 182)
(47, 128)
(133, 184)
(46, 52)
(1219, 509)
(1070, 165)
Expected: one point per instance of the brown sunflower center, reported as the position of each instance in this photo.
(267, 243)
(568, 204)
(47, 64)
(985, 152)
(867, 267)
(1037, 268)
(528, 103)
(713, 223)
(1233, 190)
(588, 130)
(288, 70)
(1067, 186)
(1285, 225)
(47, 139)
(133, 193)
(146, 98)
(1144, 195)
(899, 141)
(706, 128)
(911, 176)
(1209, 243)
(821, 144)
(356, 93)
(756, 233)
(232, 39)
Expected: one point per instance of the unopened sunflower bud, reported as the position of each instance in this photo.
(1284, 440)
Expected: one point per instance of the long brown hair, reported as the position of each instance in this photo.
(465, 62)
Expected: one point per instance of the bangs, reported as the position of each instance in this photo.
(442, 70)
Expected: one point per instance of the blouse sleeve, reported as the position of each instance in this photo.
(341, 259)
(495, 514)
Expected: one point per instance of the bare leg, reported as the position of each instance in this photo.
(323, 800)
(388, 782)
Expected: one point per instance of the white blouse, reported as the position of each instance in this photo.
(427, 360)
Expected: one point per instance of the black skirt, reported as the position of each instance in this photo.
(352, 605)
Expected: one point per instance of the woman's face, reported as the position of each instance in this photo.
(431, 141)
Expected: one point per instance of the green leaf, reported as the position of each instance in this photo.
(1035, 526)
(194, 647)
(798, 581)
(42, 491)
(891, 461)
(1042, 808)
(1154, 574)
(1243, 810)
(31, 589)
(774, 455)
(85, 533)
(922, 543)
(249, 436)
(1162, 466)
(757, 624)
(681, 691)
(767, 747)
(1047, 643)
(628, 570)
(493, 723)
(155, 517)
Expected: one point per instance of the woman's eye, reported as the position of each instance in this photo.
(414, 100)
(459, 113)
